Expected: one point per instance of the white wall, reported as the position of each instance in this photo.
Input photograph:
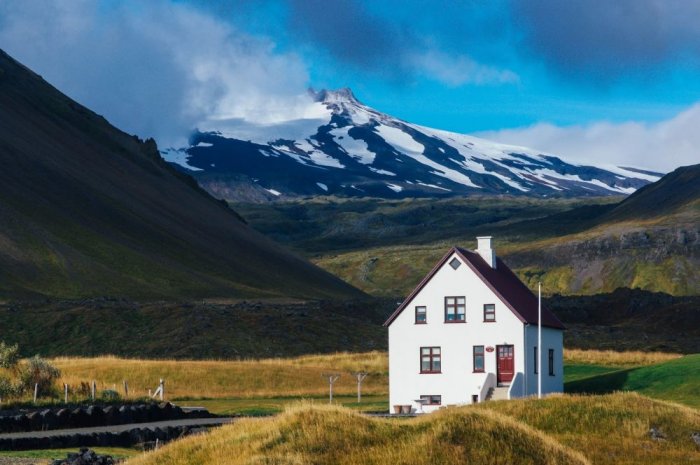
(551, 339)
(457, 382)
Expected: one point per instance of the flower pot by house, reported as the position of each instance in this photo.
(405, 409)
(397, 409)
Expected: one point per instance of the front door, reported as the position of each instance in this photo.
(505, 363)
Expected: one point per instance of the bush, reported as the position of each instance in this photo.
(7, 389)
(9, 355)
(36, 370)
(109, 395)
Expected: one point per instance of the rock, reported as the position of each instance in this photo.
(656, 434)
(696, 438)
(85, 457)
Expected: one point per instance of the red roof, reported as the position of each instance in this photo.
(501, 280)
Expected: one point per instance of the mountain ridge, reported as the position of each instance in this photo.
(88, 210)
(339, 146)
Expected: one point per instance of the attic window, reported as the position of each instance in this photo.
(454, 263)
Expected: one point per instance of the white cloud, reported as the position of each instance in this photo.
(157, 68)
(662, 146)
(458, 70)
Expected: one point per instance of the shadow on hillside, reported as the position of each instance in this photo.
(600, 384)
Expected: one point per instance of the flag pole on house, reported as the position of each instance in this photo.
(539, 340)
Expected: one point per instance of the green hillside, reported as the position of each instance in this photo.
(677, 380)
(87, 210)
(649, 240)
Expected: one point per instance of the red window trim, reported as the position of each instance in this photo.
(425, 312)
(483, 356)
(455, 307)
(432, 357)
(493, 313)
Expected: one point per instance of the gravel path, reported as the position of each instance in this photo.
(18, 461)
(115, 429)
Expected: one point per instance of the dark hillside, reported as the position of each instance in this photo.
(87, 210)
(676, 190)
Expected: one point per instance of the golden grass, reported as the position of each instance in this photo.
(300, 376)
(620, 359)
(287, 377)
(612, 429)
(307, 434)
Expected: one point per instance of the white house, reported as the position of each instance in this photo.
(468, 333)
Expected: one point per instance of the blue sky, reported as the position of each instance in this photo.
(591, 81)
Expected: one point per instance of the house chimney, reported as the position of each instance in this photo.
(484, 249)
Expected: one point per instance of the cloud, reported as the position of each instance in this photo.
(156, 69)
(606, 39)
(659, 146)
(457, 70)
(391, 47)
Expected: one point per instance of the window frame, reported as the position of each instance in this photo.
(430, 397)
(456, 306)
(536, 360)
(550, 358)
(432, 356)
(425, 315)
(492, 312)
(483, 359)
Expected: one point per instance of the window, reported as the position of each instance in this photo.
(431, 400)
(455, 309)
(430, 360)
(536, 359)
(454, 263)
(421, 318)
(551, 362)
(490, 312)
(478, 359)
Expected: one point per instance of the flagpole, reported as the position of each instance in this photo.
(539, 340)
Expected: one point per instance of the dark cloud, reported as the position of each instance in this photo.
(348, 31)
(608, 38)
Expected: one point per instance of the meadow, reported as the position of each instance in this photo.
(256, 387)
(560, 429)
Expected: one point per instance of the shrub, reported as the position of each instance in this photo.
(7, 389)
(109, 395)
(36, 370)
(9, 355)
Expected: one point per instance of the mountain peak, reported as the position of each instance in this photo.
(342, 95)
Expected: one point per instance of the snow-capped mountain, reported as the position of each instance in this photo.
(340, 146)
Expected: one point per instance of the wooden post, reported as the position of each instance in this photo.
(332, 378)
(36, 391)
(93, 390)
(126, 389)
(161, 388)
(65, 393)
(360, 376)
(149, 393)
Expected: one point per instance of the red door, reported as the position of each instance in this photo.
(505, 363)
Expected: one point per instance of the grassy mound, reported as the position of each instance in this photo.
(611, 429)
(677, 380)
(328, 435)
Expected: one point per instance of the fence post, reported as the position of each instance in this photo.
(36, 391)
(161, 388)
(65, 393)
(93, 390)
(126, 389)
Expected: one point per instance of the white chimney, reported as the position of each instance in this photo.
(483, 248)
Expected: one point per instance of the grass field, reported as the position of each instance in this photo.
(259, 387)
(603, 430)
(676, 380)
(46, 454)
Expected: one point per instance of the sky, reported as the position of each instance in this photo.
(591, 81)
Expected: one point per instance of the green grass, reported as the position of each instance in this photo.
(677, 380)
(115, 452)
(574, 372)
(273, 405)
